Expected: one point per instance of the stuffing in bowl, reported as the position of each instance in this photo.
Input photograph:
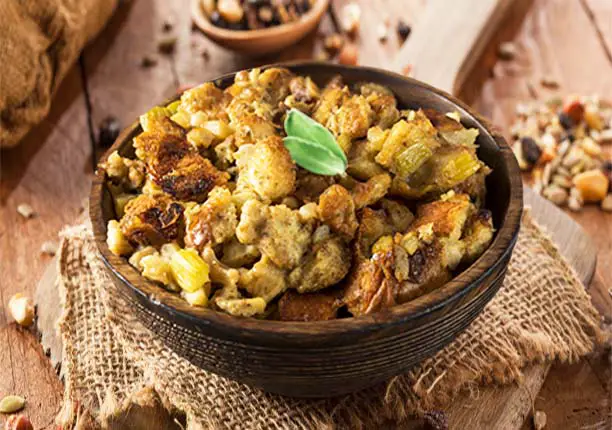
(274, 198)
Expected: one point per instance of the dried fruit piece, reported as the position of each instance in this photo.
(22, 309)
(592, 184)
(11, 403)
(18, 422)
(555, 194)
(575, 110)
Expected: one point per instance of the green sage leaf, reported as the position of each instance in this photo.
(314, 157)
(298, 124)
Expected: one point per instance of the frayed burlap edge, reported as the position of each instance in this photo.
(541, 313)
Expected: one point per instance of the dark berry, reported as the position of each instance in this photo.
(565, 120)
(531, 150)
(217, 20)
(403, 29)
(108, 131)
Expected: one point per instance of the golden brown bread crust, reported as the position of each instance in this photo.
(337, 209)
(152, 220)
(308, 307)
(192, 177)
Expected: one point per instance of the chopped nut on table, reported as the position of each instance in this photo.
(22, 309)
(561, 143)
(506, 51)
(26, 211)
(11, 403)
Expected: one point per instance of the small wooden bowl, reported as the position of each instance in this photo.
(328, 358)
(264, 41)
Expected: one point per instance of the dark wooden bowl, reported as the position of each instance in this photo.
(328, 358)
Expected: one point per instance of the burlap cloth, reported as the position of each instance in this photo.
(113, 365)
(39, 42)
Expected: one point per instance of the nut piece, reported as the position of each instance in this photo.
(539, 420)
(10, 404)
(25, 210)
(555, 194)
(230, 10)
(22, 309)
(18, 422)
(593, 185)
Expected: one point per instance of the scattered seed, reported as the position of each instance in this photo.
(22, 309)
(11, 403)
(26, 211)
(590, 147)
(205, 54)
(539, 420)
(166, 45)
(348, 55)
(562, 181)
(147, 62)
(531, 150)
(566, 121)
(506, 51)
(167, 27)
(108, 131)
(575, 110)
(605, 136)
(403, 30)
(382, 33)
(49, 248)
(606, 203)
(555, 194)
(546, 174)
(549, 82)
(351, 15)
(18, 422)
(574, 204)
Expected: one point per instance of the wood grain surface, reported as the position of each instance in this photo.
(49, 170)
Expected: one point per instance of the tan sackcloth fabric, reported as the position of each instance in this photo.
(39, 42)
(542, 312)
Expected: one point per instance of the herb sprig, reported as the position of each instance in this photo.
(312, 146)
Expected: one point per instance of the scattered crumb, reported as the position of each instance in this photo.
(26, 211)
(549, 82)
(167, 45)
(148, 62)
(506, 51)
(351, 15)
(49, 248)
(403, 30)
(333, 43)
(348, 55)
(382, 32)
(539, 420)
(167, 27)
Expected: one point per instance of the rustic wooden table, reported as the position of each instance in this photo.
(51, 170)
